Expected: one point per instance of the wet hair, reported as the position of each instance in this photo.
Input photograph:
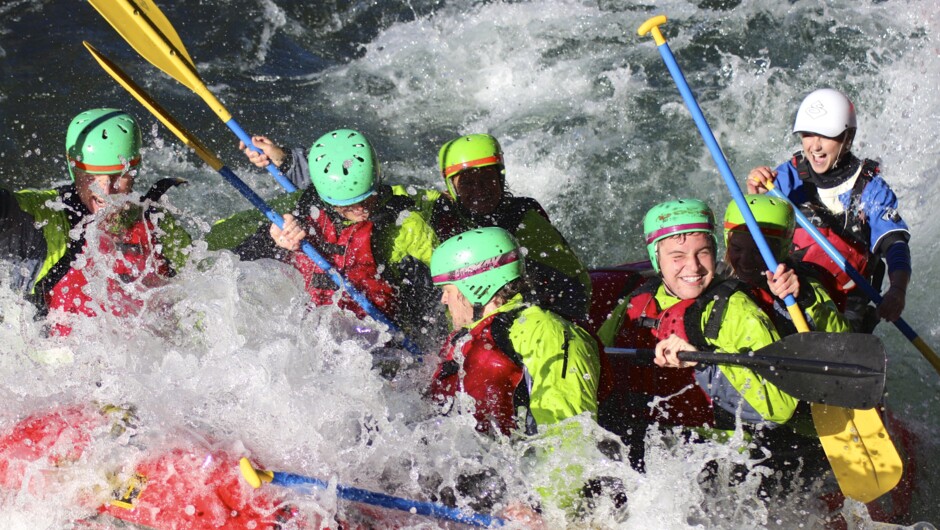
(506, 292)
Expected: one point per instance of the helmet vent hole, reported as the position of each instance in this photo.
(326, 168)
(104, 134)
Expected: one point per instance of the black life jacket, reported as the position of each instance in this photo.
(449, 218)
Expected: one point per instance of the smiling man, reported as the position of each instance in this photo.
(687, 308)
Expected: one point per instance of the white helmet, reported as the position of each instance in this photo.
(826, 112)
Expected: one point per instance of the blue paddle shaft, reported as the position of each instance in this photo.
(769, 259)
(272, 169)
(431, 509)
(321, 262)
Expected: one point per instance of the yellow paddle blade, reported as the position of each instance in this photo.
(254, 477)
(154, 108)
(862, 456)
(147, 30)
(118, 10)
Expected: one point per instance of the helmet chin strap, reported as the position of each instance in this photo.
(842, 151)
(847, 138)
(666, 287)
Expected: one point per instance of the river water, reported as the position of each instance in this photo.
(592, 126)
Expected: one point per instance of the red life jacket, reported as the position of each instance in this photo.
(134, 263)
(645, 325)
(492, 376)
(349, 249)
(849, 235)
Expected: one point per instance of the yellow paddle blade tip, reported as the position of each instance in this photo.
(863, 458)
(254, 477)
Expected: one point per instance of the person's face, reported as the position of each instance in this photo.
(93, 190)
(822, 152)
(358, 212)
(479, 189)
(461, 310)
(745, 258)
(687, 263)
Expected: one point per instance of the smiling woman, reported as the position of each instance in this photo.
(851, 204)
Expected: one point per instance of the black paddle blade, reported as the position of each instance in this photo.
(841, 369)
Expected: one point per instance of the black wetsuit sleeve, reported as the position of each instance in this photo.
(898, 257)
(556, 292)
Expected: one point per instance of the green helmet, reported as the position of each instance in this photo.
(343, 167)
(479, 262)
(472, 150)
(774, 216)
(102, 141)
(676, 217)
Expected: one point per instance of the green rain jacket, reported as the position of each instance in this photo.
(561, 358)
(563, 370)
